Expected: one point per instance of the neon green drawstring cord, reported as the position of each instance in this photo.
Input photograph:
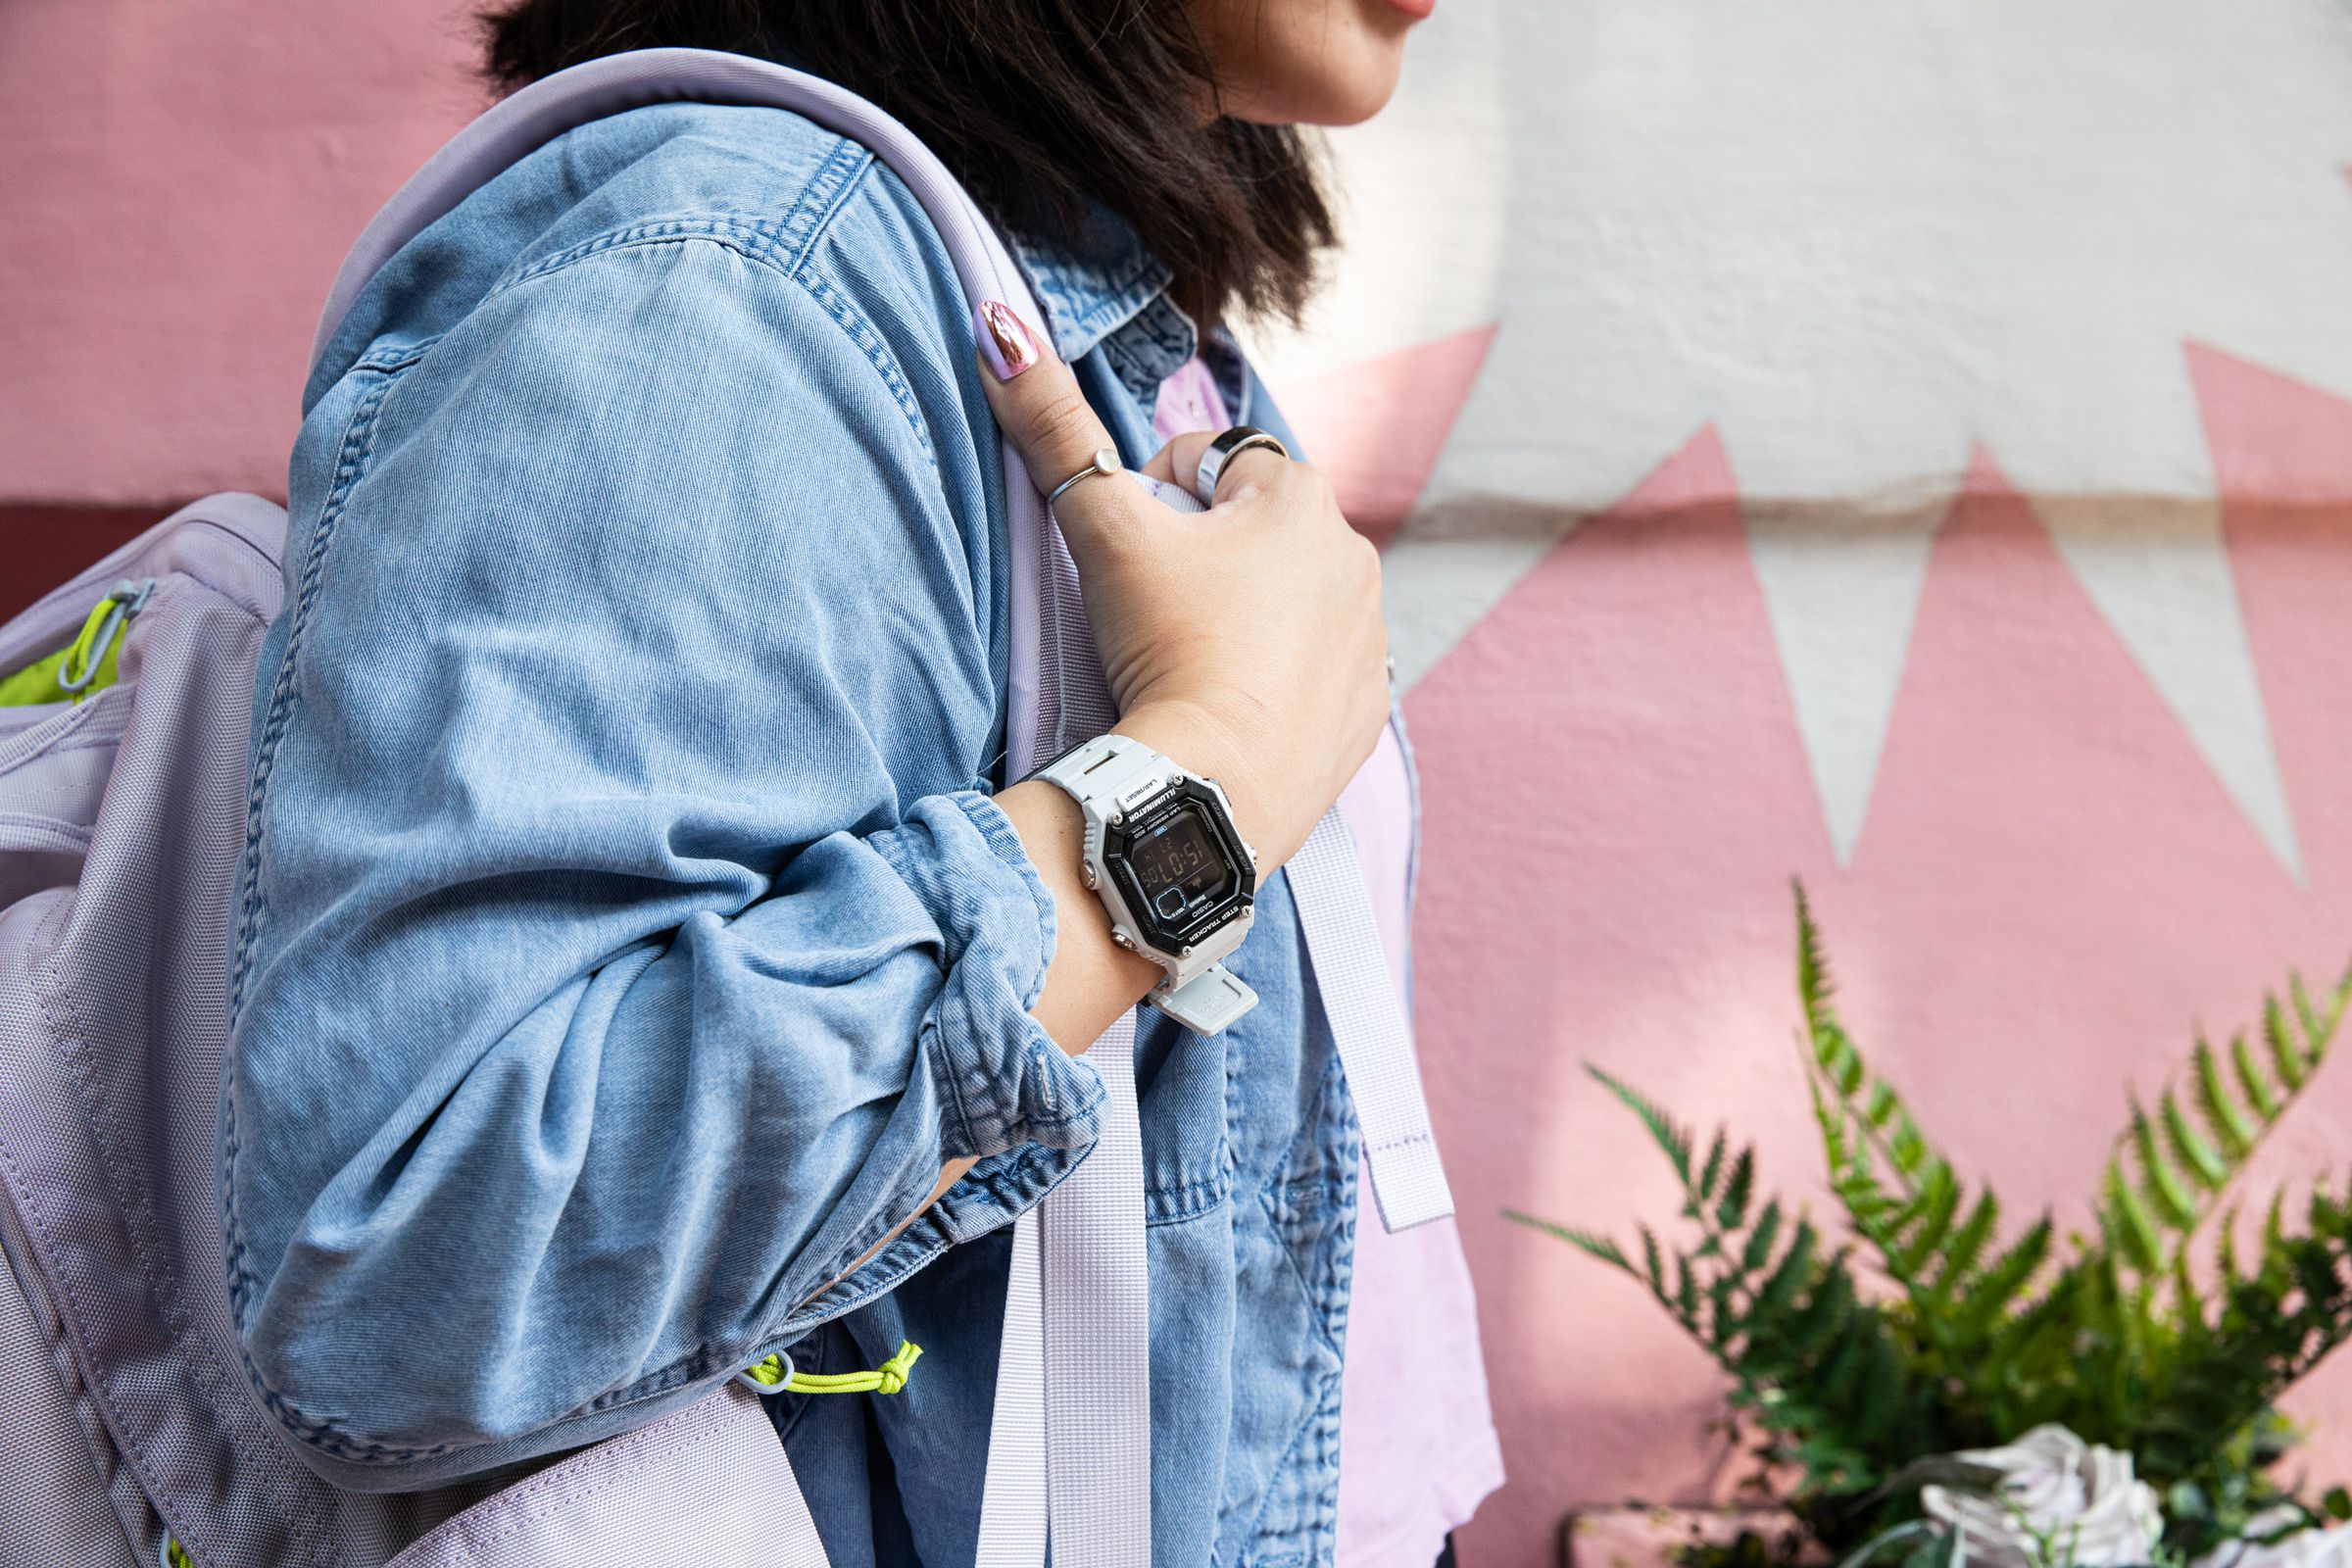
(888, 1378)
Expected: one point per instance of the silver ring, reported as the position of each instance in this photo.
(1106, 461)
(1221, 451)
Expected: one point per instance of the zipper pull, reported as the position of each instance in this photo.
(96, 639)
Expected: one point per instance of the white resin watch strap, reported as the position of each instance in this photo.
(1103, 768)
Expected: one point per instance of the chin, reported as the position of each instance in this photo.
(1354, 102)
(1310, 62)
(1345, 91)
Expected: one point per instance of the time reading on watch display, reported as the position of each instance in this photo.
(1180, 857)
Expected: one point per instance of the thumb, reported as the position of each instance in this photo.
(1175, 463)
(1042, 411)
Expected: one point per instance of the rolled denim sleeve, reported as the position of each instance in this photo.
(626, 937)
(981, 1030)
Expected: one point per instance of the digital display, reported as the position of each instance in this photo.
(1178, 864)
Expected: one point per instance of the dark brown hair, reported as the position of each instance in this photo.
(1037, 105)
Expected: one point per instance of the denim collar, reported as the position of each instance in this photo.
(1100, 288)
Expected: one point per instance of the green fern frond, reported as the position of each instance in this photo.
(1908, 1147)
(1761, 1238)
(1956, 1267)
(2254, 1081)
(2198, 1159)
(2177, 1167)
(2287, 1056)
(2118, 1333)
(2160, 1184)
(2003, 1282)
(1878, 1390)
(1923, 1235)
(1819, 1322)
(2226, 1252)
(1732, 1212)
(1663, 1130)
(1652, 1261)
(2217, 1104)
(1582, 1241)
(2126, 1222)
(1778, 1295)
(1814, 986)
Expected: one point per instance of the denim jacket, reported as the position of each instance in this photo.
(627, 935)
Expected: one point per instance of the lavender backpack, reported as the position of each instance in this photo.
(132, 1434)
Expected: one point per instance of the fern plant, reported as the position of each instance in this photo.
(1930, 1325)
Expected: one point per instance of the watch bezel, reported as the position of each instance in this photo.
(1117, 838)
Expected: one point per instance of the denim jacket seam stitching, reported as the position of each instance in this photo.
(950, 1077)
(825, 198)
(871, 343)
(352, 455)
(1284, 1538)
(1306, 1287)
(1022, 1126)
(1003, 841)
(755, 243)
(1185, 1201)
(720, 228)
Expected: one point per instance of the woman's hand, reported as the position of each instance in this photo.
(1246, 641)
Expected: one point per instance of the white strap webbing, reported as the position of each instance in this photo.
(1075, 1450)
(1098, 1312)
(1012, 1500)
(1368, 1025)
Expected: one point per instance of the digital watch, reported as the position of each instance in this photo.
(1164, 857)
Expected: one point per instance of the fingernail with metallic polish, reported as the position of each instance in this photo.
(1004, 340)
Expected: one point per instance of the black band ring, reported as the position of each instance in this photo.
(1241, 438)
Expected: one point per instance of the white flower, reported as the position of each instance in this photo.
(2305, 1549)
(2057, 1501)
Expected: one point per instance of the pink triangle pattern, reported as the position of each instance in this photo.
(2283, 457)
(1376, 427)
(2052, 891)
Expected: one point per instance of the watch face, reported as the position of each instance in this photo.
(1180, 868)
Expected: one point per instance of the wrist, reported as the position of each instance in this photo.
(1199, 740)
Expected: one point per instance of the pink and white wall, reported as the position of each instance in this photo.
(1903, 447)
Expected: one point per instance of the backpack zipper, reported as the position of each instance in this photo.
(104, 623)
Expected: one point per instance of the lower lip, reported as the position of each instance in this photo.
(1419, 10)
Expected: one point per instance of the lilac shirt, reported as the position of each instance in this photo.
(1417, 1444)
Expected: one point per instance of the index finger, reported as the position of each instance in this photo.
(1038, 406)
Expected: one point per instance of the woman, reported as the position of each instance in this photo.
(644, 966)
